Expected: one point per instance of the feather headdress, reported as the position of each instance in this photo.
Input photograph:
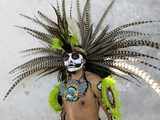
(105, 51)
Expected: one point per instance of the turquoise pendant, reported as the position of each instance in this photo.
(73, 89)
(71, 94)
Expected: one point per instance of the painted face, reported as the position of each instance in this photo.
(73, 61)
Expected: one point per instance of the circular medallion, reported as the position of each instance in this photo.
(73, 89)
(71, 94)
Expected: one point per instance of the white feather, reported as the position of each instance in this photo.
(141, 73)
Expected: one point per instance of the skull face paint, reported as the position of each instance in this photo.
(73, 61)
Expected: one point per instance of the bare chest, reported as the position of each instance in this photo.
(85, 108)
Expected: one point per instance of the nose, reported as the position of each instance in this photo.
(70, 61)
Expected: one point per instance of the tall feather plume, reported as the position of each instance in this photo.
(84, 23)
(109, 64)
(78, 11)
(47, 72)
(63, 27)
(47, 38)
(19, 78)
(131, 25)
(49, 21)
(35, 61)
(140, 73)
(80, 23)
(110, 36)
(88, 36)
(42, 50)
(101, 40)
(86, 15)
(114, 72)
(133, 60)
(50, 29)
(65, 24)
(122, 34)
(136, 42)
(100, 37)
(87, 21)
(54, 61)
(126, 43)
(70, 10)
(126, 53)
(58, 9)
(101, 21)
(102, 48)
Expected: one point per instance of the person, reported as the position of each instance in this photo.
(87, 58)
(85, 106)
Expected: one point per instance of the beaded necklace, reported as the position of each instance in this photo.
(72, 90)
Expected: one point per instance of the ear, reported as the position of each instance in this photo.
(83, 61)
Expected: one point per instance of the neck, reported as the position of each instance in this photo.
(77, 74)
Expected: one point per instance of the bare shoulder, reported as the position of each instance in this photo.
(94, 80)
(92, 77)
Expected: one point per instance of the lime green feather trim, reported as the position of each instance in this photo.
(56, 43)
(53, 101)
(109, 82)
(74, 40)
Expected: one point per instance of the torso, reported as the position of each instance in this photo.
(86, 107)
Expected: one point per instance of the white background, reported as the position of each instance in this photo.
(29, 101)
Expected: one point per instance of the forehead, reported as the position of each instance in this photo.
(70, 53)
(74, 55)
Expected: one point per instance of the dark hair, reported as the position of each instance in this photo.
(62, 75)
(99, 70)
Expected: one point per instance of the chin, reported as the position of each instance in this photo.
(73, 70)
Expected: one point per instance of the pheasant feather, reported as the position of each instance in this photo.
(104, 50)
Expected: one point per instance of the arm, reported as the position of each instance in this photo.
(108, 96)
(98, 95)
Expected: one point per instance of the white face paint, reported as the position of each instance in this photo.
(73, 61)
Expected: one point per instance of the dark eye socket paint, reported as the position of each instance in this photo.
(75, 56)
(65, 56)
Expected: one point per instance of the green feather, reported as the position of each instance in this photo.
(56, 43)
(109, 82)
(74, 40)
(53, 100)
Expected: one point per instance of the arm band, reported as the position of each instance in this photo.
(110, 97)
(55, 100)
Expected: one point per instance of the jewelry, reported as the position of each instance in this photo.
(73, 89)
(99, 86)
